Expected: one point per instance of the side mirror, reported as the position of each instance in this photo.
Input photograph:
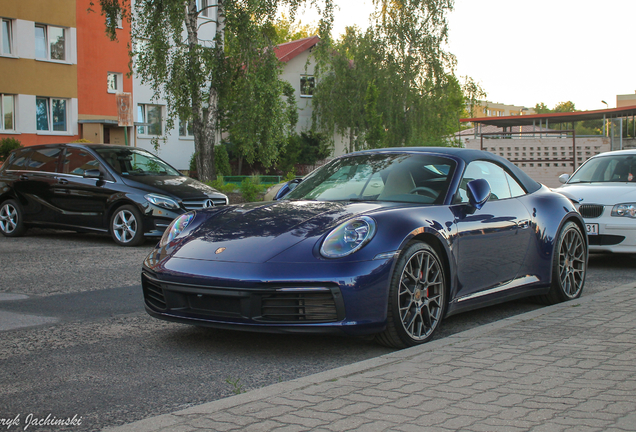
(563, 178)
(287, 188)
(93, 173)
(478, 193)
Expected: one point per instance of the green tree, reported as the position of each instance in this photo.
(564, 107)
(541, 108)
(288, 30)
(403, 55)
(195, 75)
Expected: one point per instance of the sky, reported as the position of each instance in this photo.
(524, 53)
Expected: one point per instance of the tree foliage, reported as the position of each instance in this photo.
(402, 55)
(229, 79)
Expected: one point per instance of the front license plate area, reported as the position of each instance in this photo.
(592, 229)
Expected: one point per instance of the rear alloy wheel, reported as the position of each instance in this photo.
(126, 226)
(417, 298)
(11, 224)
(569, 265)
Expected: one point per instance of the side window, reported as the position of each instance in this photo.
(77, 161)
(18, 160)
(45, 160)
(515, 188)
(493, 174)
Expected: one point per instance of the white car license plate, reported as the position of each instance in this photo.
(592, 229)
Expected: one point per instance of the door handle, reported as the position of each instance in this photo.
(523, 224)
(62, 181)
(24, 177)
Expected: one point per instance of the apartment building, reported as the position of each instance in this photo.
(38, 66)
(60, 72)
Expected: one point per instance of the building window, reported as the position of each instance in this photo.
(7, 110)
(203, 8)
(51, 114)
(50, 42)
(114, 82)
(185, 129)
(150, 116)
(307, 84)
(6, 37)
(118, 21)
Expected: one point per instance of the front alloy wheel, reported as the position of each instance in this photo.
(11, 219)
(125, 226)
(417, 298)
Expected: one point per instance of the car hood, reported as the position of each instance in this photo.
(600, 193)
(256, 233)
(179, 186)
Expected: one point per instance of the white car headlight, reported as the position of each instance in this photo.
(348, 237)
(162, 201)
(175, 228)
(626, 210)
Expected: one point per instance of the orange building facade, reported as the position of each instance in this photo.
(59, 72)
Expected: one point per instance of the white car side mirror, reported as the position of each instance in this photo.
(564, 178)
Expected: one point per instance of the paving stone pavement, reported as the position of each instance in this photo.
(567, 367)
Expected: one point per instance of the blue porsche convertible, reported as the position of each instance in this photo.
(385, 242)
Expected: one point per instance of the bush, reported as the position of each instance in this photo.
(82, 140)
(220, 185)
(251, 187)
(6, 145)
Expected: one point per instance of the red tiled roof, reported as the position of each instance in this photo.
(287, 51)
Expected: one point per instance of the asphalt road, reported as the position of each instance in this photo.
(75, 339)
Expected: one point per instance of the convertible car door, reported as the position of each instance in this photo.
(492, 241)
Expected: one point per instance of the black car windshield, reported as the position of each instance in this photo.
(135, 162)
(402, 177)
(610, 168)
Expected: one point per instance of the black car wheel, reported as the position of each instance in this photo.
(11, 224)
(569, 265)
(126, 226)
(417, 298)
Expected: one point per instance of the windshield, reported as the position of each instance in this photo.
(135, 162)
(416, 178)
(610, 168)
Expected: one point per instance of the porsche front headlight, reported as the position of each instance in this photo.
(348, 237)
(175, 228)
(625, 210)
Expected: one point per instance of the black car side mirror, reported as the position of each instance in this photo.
(478, 193)
(93, 173)
(286, 188)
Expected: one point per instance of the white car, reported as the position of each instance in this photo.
(604, 190)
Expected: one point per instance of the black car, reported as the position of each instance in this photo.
(126, 191)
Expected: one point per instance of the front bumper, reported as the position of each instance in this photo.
(320, 297)
(615, 234)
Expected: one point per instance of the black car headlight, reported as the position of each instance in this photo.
(625, 210)
(348, 237)
(162, 201)
(175, 228)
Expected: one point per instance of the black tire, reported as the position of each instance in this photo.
(569, 265)
(417, 298)
(11, 220)
(126, 226)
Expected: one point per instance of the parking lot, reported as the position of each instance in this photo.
(76, 339)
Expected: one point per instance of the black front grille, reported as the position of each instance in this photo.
(591, 211)
(153, 294)
(198, 204)
(273, 304)
(298, 306)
